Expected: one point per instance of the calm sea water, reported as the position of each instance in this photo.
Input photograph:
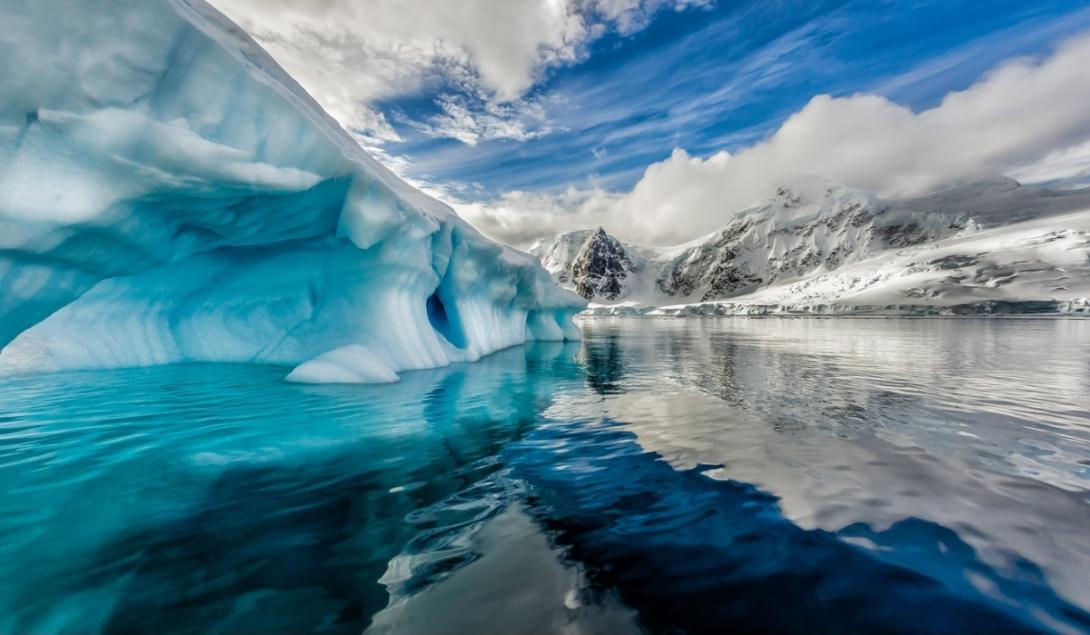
(700, 476)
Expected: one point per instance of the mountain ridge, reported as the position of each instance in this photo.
(814, 232)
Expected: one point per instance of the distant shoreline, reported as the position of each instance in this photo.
(990, 308)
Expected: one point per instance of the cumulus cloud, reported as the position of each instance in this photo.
(349, 53)
(521, 218)
(1029, 118)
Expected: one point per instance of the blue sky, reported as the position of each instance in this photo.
(708, 79)
(661, 118)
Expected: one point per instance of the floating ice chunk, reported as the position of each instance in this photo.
(352, 364)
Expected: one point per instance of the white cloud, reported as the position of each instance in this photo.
(470, 121)
(519, 218)
(1028, 118)
(632, 15)
(350, 53)
(1067, 164)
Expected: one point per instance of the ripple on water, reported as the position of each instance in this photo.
(776, 475)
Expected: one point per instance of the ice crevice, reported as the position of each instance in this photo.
(177, 197)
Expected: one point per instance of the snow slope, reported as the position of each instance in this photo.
(1040, 265)
(168, 193)
(814, 247)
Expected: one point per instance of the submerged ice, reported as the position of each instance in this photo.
(172, 195)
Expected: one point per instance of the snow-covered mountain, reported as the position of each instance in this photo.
(814, 246)
(168, 193)
(593, 263)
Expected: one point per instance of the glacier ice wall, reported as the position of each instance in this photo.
(168, 193)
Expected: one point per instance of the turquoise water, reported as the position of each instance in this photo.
(746, 475)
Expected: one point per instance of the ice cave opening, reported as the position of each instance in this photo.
(444, 322)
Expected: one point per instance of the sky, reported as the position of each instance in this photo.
(659, 119)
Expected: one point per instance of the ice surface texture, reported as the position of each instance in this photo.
(168, 193)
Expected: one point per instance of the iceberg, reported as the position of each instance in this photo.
(168, 194)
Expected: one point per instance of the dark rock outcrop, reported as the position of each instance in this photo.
(601, 267)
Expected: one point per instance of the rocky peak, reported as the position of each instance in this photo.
(802, 230)
(601, 267)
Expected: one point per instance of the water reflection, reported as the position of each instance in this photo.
(977, 425)
(708, 556)
(693, 476)
(604, 364)
(218, 498)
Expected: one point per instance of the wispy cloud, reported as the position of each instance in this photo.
(486, 54)
(539, 115)
(606, 124)
(1026, 117)
(965, 62)
(471, 120)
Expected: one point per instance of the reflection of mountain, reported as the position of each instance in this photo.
(696, 555)
(873, 421)
(817, 247)
(604, 365)
(711, 479)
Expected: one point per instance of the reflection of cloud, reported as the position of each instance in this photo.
(514, 579)
(704, 555)
(862, 421)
